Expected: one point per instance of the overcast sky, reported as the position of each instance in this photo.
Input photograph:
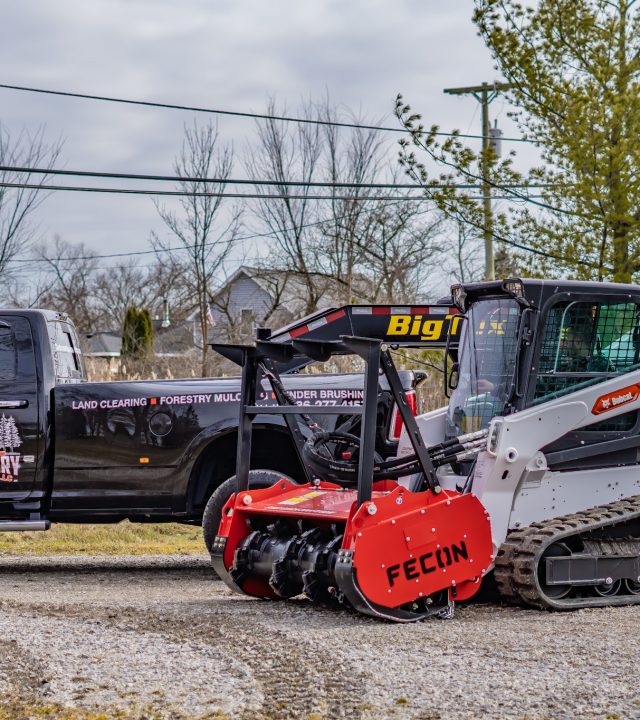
(226, 55)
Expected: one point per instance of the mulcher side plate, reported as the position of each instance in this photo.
(399, 548)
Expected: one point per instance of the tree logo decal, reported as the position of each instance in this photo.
(10, 441)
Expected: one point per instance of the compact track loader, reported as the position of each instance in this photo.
(531, 472)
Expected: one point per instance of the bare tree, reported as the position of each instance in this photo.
(402, 250)
(354, 246)
(356, 160)
(206, 234)
(70, 267)
(68, 277)
(466, 248)
(121, 286)
(288, 153)
(26, 286)
(17, 204)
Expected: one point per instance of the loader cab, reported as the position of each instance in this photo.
(585, 338)
(525, 342)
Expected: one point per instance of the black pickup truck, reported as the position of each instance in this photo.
(74, 451)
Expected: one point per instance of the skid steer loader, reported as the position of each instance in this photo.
(531, 472)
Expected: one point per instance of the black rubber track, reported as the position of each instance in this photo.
(516, 568)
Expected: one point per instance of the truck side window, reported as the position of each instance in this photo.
(66, 354)
(584, 343)
(8, 354)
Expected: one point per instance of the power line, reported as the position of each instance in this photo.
(203, 180)
(254, 182)
(534, 251)
(234, 113)
(32, 261)
(129, 191)
(204, 194)
(495, 185)
(249, 196)
(102, 268)
(243, 181)
(28, 261)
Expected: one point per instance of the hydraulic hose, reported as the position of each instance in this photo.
(340, 465)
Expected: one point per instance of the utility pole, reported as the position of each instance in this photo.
(485, 94)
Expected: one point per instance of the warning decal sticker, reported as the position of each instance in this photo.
(302, 498)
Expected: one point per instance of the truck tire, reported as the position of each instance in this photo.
(213, 510)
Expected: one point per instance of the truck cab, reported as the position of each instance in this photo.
(38, 349)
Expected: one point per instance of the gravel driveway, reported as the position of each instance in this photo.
(158, 637)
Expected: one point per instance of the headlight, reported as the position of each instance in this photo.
(514, 287)
(459, 295)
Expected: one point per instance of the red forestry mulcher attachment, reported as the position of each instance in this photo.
(352, 532)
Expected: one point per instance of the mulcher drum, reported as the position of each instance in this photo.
(401, 555)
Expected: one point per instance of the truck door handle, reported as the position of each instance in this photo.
(5, 404)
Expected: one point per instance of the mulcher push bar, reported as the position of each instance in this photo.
(365, 330)
(263, 359)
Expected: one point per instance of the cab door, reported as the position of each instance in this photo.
(19, 436)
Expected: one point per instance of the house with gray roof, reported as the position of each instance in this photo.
(256, 297)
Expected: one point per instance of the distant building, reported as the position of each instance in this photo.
(250, 298)
(103, 344)
(253, 297)
(169, 341)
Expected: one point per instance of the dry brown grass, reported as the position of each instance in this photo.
(24, 711)
(122, 538)
(21, 710)
(154, 367)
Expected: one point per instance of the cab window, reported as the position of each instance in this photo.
(584, 343)
(8, 354)
(66, 354)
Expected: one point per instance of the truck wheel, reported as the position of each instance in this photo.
(213, 510)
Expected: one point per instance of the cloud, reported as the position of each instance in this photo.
(228, 55)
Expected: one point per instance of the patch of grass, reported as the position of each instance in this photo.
(402, 701)
(25, 711)
(55, 712)
(122, 538)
